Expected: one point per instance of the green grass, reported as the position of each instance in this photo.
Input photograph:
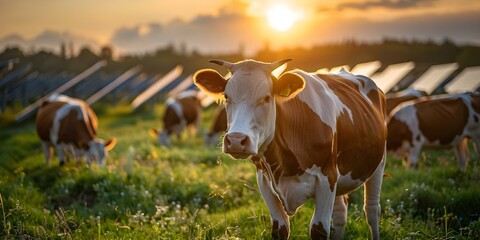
(193, 192)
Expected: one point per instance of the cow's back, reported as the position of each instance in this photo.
(190, 108)
(75, 122)
(45, 118)
(442, 119)
(395, 99)
(170, 118)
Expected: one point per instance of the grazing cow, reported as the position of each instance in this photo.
(182, 111)
(317, 136)
(69, 125)
(443, 121)
(394, 99)
(219, 126)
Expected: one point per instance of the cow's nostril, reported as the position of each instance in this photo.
(244, 142)
(227, 141)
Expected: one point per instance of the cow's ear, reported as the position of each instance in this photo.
(288, 85)
(110, 143)
(153, 132)
(210, 81)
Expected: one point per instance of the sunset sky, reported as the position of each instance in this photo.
(226, 25)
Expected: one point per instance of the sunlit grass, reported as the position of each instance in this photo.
(193, 192)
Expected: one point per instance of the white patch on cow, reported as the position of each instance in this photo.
(245, 114)
(317, 95)
(408, 115)
(367, 86)
(295, 190)
(347, 184)
(178, 109)
(187, 94)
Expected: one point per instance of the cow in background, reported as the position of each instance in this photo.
(317, 136)
(395, 99)
(443, 121)
(218, 126)
(181, 112)
(69, 125)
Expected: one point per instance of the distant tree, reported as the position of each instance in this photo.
(63, 51)
(86, 55)
(85, 59)
(10, 53)
(106, 53)
(45, 61)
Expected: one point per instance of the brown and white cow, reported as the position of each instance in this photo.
(218, 126)
(395, 99)
(69, 125)
(317, 136)
(443, 121)
(182, 111)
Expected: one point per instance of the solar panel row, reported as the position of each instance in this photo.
(137, 87)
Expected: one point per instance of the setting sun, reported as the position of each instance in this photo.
(281, 17)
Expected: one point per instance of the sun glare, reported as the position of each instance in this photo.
(281, 17)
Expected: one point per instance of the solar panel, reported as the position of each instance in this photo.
(112, 85)
(322, 71)
(467, 81)
(186, 83)
(26, 112)
(17, 73)
(366, 69)
(389, 78)
(156, 87)
(205, 99)
(433, 77)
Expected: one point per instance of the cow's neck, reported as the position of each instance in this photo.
(297, 146)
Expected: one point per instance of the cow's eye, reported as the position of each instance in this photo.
(227, 100)
(267, 99)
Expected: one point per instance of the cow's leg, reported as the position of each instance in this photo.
(279, 218)
(339, 216)
(461, 151)
(197, 126)
(371, 206)
(48, 151)
(476, 146)
(60, 154)
(324, 201)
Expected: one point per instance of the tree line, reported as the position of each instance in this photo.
(389, 51)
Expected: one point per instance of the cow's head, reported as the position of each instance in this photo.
(98, 149)
(250, 95)
(163, 136)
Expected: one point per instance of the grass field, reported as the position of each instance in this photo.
(193, 192)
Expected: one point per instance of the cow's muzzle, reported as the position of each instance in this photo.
(238, 145)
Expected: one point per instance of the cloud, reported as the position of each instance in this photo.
(390, 4)
(206, 33)
(48, 40)
(462, 28)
